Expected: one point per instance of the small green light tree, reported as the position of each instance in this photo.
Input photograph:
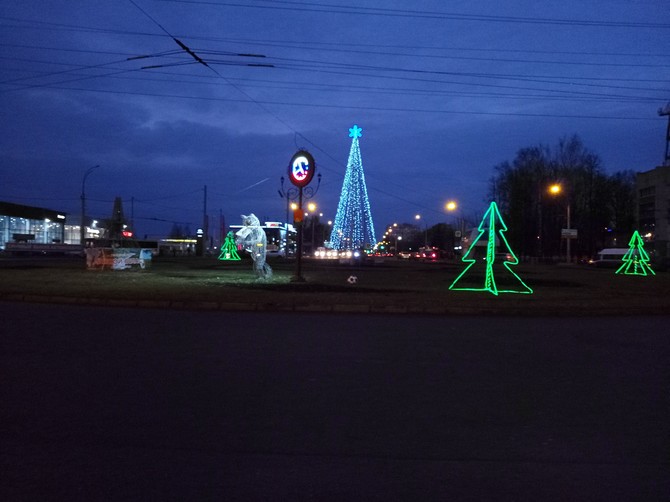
(636, 260)
(493, 226)
(229, 248)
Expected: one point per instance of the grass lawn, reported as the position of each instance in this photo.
(388, 286)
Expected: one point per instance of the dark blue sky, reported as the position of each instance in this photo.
(444, 91)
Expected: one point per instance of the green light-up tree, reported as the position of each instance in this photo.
(636, 260)
(493, 226)
(229, 249)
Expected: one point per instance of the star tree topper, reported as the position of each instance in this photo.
(355, 132)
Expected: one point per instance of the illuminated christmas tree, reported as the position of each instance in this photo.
(484, 267)
(229, 248)
(636, 260)
(353, 227)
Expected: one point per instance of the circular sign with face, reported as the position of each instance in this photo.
(301, 168)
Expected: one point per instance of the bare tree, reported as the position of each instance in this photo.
(535, 218)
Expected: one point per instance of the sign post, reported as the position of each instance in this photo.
(569, 234)
(301, 170)
(199, 243)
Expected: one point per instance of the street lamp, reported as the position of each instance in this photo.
(451, 207)
(556, 189)
(82, 226)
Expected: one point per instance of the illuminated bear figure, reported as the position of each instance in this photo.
(253, 240)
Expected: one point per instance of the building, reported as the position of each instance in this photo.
(653, 192)
(281, 238)
(19, 223)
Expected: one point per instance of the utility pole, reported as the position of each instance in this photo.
(204, 220)
(222, 228)
(665, 112)
(82, 226)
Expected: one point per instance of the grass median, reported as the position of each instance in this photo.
(388, 286)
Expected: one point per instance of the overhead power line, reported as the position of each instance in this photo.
(287, 5)
(337, 46)
(370, 89)
(499, 60)
(169, 54)
(358, 107)
(76, 68)
(336, 68)
(343, 46)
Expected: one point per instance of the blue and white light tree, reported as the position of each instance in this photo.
(353, 227)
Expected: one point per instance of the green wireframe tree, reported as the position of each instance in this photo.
(229, 249)
(493, 226)
(636, 260)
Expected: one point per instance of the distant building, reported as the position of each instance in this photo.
(19, 223)
(653, 191)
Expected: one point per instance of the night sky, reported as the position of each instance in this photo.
(443, 91)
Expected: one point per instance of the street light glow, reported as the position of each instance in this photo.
(555, 189)
(451, 205)
(311, 207)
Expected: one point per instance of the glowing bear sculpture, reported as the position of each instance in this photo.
(253, 240)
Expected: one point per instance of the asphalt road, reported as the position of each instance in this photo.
(121, 404)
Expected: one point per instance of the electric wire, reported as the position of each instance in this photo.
(550, 79)
(303, 85)
(360, 107)
(338, 48)
(403, 91)
(405, 13)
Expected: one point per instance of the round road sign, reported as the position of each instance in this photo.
(301, 168)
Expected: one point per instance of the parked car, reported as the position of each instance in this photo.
(609, 257)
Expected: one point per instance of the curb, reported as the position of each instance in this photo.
(306, 308)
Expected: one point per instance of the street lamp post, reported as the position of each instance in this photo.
(451, 206)
(555, 190)
(82, 226)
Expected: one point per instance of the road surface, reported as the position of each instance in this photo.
(123, 404)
